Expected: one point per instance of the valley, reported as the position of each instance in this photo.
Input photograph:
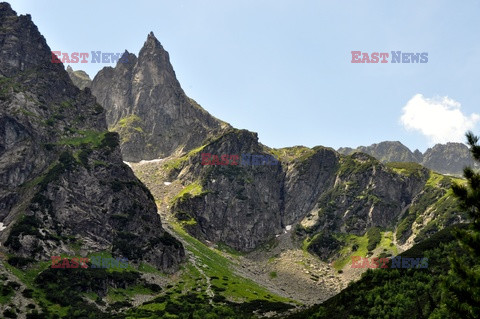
(116, 167)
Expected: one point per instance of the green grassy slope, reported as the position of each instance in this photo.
(394, 293)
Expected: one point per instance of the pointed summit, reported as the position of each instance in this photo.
(146, 94)
(20, 34)
(6, 10)
(151, 37)
(156, 61)
(152, 42)
(128, 59)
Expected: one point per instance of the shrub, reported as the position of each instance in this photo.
(374, 236)
(10, 313)
(110, 140)
(98, 109)
(27, 225)
(83, 156)
(20, 262)
(167, 240)
(324, 244)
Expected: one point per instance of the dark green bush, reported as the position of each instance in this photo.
(20, 262)
(27, 225)
(27, 293)
(374, 236)
(10, 313)
(83, 156)
(110, 140)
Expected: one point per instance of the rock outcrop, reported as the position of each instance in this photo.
(146, 105)
(448, 158)
(385, 152)
(79, 78)
(64, 188)
(244, 206)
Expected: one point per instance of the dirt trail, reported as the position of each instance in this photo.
(193, 260)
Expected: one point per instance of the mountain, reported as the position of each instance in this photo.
(324, 195)
(448, 158)
(64, 187)
(385, 152)
(259, 238)
(415, 293)
(293, 227)
(79, 78)
(65, 191)
(146, 105)
(327, 204)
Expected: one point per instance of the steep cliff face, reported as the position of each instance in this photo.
(64, 185)
(366, 194)
(385, 152)
(245, 206)
(146, 105)
(240, 206)
(448, 158)
(309, 173)
(79, 78)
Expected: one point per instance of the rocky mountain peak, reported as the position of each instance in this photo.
(6, 9)
(387, 151)
(449, 158)
(127, 60)
(155, 67)
(79, 78)
(63, 183)
(154, 124)
(18, 55)
(152, 42)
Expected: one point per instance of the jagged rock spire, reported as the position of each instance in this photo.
(147, 95)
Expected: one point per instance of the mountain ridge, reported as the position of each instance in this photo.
(449, 158)
(293, 189)
(146, 104)
(63, 179)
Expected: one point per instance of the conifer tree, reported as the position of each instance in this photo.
(461, 295)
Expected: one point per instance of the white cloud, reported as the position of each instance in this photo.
(439, 119)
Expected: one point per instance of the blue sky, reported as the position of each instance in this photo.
(283, 68)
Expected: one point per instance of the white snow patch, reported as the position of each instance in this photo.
(151, 161)
(2, 227)
(166, 183)
(288, 227)
(128, 164)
